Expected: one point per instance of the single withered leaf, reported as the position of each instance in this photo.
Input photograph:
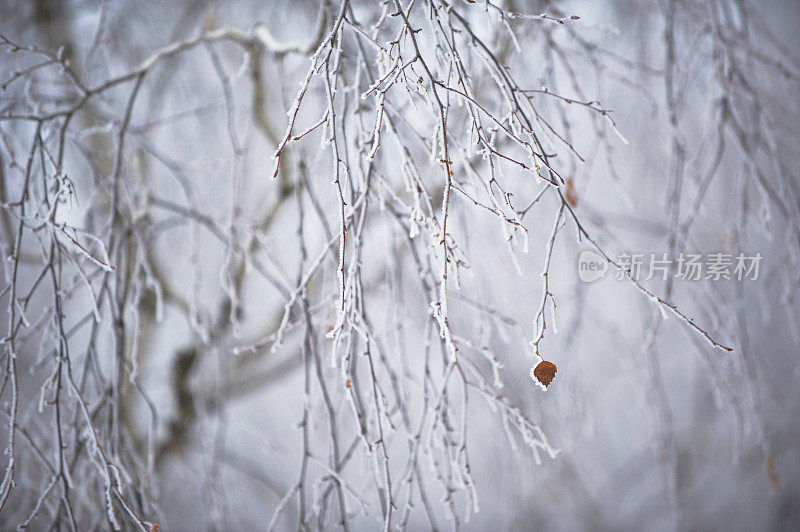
(543, 374)
(571, 194)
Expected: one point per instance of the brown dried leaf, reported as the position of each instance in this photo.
(543, 374)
